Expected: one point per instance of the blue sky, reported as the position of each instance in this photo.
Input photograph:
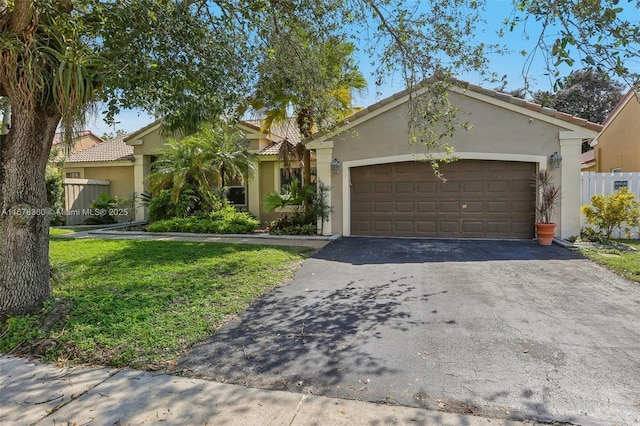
(511, 65)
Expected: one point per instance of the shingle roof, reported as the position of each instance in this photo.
(112, 150)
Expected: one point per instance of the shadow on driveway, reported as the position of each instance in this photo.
(507, 329)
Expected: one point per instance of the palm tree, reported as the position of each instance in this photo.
(226, 150)
(323, 103)
(205, 162)
(179, 166)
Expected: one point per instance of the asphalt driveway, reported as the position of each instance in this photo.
(500, 328)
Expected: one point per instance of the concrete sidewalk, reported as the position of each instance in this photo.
(43, 394)
(316, 242)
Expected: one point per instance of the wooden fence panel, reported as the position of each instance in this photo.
(607, 183)
(79, 193)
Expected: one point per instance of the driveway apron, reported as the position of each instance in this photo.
(507, 329)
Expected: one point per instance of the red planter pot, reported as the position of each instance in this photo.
(544, 232)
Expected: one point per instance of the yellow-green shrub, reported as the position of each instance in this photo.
(618, 210)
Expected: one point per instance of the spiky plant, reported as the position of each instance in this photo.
(548, 196)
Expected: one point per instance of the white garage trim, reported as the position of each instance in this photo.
(541, 160)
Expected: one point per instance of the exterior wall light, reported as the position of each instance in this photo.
(335, 166)
(555, 159)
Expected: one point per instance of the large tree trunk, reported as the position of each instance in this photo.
(305, 125)
(24, 218)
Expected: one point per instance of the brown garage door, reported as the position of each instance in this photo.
(480, 199)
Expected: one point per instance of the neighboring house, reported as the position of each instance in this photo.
(85, 139)
(617, 147)
(104, 168)
(383, 188)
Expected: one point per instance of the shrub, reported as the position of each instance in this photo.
(55, 194)
(306, 205)
(292, 225)
(618, 210)
(162, 207)
(227, 220)
(103, 207)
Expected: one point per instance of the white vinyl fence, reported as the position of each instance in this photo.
(607, 183)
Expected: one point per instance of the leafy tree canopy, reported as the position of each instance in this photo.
(595, 33)
(588, 94)
(190, 61)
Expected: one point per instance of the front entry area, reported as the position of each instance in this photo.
(480, 199)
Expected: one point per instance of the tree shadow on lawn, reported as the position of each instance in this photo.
(155, 288)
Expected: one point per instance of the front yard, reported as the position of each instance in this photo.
(143, 303)
(621, 260)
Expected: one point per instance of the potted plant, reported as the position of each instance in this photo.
(548, 197)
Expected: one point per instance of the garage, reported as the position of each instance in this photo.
(479, 199)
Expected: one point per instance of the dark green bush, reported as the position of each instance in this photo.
(162, 207)
(292, 225)
(227, 220)
(102, 209)
(55, 195)
(305, 229)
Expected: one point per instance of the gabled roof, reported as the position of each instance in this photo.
(280, 131)
(461, 87)
(273, 148)
(144, 130)
(631, 94)
(287, 130)
(112, 150)
(57, 138)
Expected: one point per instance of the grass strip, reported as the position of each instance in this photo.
(144, 303)
(620, 259)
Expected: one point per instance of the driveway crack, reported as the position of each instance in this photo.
(297, 409)
(75, 396)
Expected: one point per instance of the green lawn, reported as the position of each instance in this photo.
(62, 231)
(624, 262)
(143, 303)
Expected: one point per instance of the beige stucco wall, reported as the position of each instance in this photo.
(619, 143)
(149, 143)
(268, 170)
(121, 179)
(73, 170)
(498, 133)
(86, 141)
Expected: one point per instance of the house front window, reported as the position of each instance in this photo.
(287, 176)
(236, 193)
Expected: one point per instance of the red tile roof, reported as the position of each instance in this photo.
(287, 130)
(112, 150)
(272, 149)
